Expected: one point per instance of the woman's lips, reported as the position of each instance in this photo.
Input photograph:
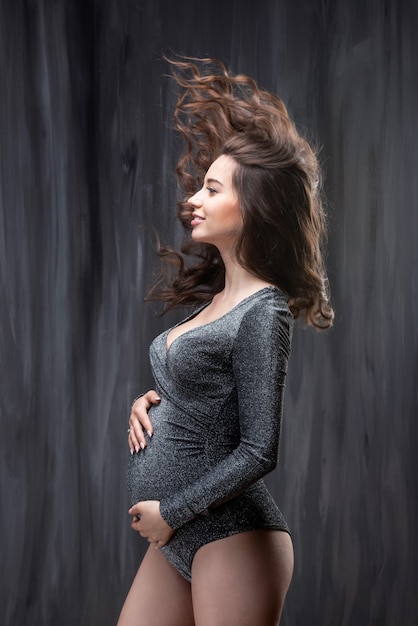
(197, 220)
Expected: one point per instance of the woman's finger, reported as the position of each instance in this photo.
(139, 421)
(140, 409)
(136, 439)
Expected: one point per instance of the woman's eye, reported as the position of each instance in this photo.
(211, 190)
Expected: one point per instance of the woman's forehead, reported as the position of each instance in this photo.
(222, 169)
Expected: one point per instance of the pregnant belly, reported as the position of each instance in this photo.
(174, 456)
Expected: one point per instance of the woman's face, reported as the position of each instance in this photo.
(216, 215)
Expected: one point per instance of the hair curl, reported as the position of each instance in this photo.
(278, 183)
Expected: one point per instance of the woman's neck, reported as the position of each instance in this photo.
(239, 282)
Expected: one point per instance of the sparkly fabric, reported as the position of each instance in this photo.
(217, 428)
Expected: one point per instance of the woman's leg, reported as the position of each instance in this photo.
(242, 580)
(159, 595)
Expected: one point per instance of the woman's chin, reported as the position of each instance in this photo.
(199, 237)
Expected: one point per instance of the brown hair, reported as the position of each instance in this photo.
(277, 180)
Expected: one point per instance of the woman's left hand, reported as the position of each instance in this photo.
(147, 520)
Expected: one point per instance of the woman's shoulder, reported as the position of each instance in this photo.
(269, 299)
(267, 319)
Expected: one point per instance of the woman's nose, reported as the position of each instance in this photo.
(195, 200)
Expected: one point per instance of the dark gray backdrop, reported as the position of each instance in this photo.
(86, 164)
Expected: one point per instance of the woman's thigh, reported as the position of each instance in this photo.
(159, 595)
(242, 580)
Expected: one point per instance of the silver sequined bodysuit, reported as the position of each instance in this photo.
(217, 428)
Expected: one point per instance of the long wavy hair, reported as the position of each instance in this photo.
(278, 182)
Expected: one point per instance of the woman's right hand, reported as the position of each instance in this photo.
(140, 422)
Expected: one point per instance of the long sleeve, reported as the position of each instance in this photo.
(259, 362)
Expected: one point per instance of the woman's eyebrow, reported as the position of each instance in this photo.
(213, 180)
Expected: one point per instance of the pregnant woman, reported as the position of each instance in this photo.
(221, 552)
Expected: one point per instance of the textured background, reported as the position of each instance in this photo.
(86, 165)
